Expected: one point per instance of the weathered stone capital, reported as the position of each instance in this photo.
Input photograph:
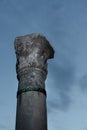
(32, 52)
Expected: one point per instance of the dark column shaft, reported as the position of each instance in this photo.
(32, 52)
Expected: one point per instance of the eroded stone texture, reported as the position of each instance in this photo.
(32, 52)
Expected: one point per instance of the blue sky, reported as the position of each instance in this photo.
(64, 23)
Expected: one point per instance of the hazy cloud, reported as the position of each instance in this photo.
(83, 83)
(63, 75)
(3, 127)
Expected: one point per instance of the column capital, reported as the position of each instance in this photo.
(32, 52)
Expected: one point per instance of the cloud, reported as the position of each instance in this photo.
(83, 83)
(3, 127)
(59, 104)
(63, 76)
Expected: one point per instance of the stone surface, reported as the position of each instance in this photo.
(32, 53)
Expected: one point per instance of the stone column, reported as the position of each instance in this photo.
(32, 53)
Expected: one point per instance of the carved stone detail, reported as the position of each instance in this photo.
(32, 52)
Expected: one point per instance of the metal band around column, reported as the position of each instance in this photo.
(31, 88)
